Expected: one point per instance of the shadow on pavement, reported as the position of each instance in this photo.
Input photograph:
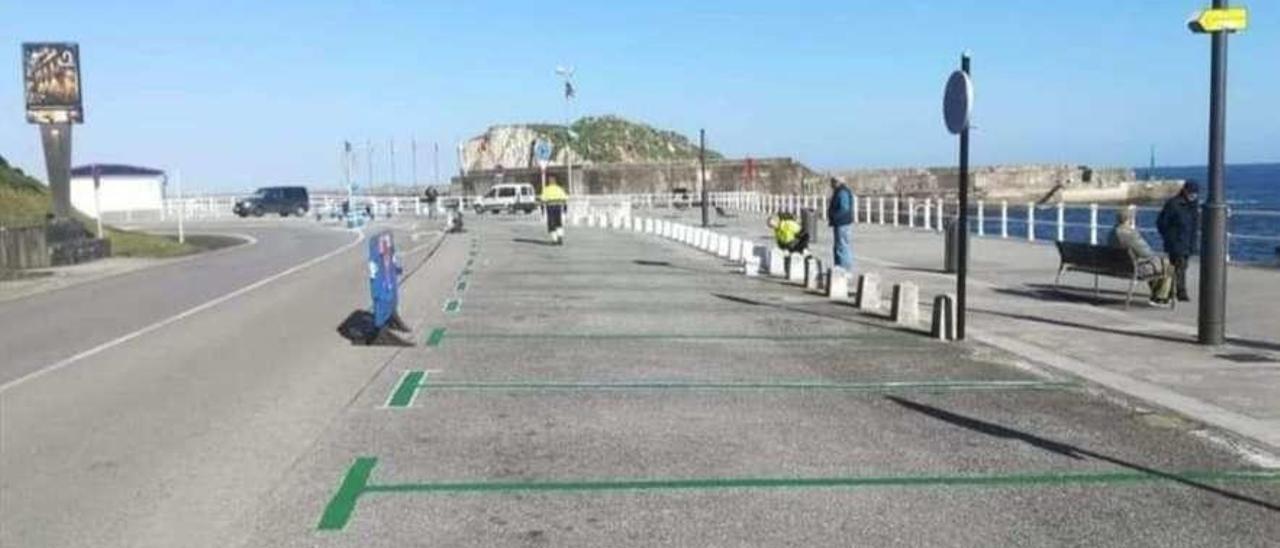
(532, 241)
(1248, 343)
(1067, 450)
(799, 310)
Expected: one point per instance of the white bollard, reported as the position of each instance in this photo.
(748, 249)
(751, 268)
(735, 249)
(813, 274)
(1062, 222)
(725, 248)
(777, 263)
(944, 318)
(868, 292)
(795, 268)
(837, 284)
(591, 221)
(928, 213)
(882, 210)
(906, 304)
(911, 212)
(895, 210)
(942, 207)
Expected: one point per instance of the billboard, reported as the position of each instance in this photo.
(51, 76)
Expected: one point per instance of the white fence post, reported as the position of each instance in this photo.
(928, 213)
(911, 212)
(1093, 224)
(1031, 221)
(1004, 218)
(882, 210)
(895, 210)
(941, 210)
(1062, 220)
(982, 218)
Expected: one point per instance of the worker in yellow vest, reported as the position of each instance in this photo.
(789, 234)
(555, 203)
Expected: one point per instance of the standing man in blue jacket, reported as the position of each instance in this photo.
(840, 217)
(1179, 226)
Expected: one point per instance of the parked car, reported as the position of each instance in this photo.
(284, 200)
(509, 197)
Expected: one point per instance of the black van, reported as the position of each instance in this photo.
(285, 200)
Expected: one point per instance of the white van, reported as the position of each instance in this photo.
(509, 197)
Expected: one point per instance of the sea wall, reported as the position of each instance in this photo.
(1018, 184)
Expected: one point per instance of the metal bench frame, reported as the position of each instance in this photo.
(1106, 261)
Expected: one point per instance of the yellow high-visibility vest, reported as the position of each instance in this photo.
(553, 193)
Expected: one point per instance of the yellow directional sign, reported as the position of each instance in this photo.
(1217, 20)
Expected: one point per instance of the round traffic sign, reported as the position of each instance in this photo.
(542, 150)
(958, 102)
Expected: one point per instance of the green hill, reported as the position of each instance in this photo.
(611, 139)
(23, 200)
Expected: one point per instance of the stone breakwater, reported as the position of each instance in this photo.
(1016, 184)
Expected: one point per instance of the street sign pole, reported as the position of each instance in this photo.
(962, 231)
(1213, 264)
(702, 174)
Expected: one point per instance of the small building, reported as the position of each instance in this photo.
(122, 189)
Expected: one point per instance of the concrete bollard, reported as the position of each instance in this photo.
(837, 284)
(906, 304)
(751, 267)
(868, 292)
(575, 220)
(795, 268)
(748, 249)
(735, 249)
(777, 263)
(724, 250)
(944, 318)
(813, 274)
(591, 221)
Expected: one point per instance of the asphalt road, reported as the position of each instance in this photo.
(618, 391)
(166, 438)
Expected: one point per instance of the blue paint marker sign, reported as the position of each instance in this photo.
(542, 152)
(384, 277)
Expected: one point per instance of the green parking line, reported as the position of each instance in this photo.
(878, 387)
(356, 483)
(435, 337)
(673, 336)
(452, 306)
(407, 389)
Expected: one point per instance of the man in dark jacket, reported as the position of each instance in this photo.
(1179, 226)
(840, 217)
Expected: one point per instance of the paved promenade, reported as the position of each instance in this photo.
(626, 390)
(1145, 352)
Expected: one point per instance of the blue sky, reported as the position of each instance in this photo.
(238, 93)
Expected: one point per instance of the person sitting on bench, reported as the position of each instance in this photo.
(1126, 236)
(788, 233)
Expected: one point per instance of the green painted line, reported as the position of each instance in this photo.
(407, 389)
(452, 306)
(469, 263)
(338, 512)
(673, 336)
(879, 387)
(356, 483)
(462, 286)
(436, 336)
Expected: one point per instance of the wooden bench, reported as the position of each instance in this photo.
(1107, 261)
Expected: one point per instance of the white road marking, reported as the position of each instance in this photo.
(175, 318)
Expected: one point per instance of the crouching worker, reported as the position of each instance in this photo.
(788, 233)
(555, 203)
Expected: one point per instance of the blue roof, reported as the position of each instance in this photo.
(107, 170)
